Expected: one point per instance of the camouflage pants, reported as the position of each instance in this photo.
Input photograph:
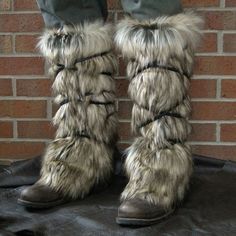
(60, 12)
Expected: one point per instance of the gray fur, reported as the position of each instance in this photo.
(159, 163)
(74, 164)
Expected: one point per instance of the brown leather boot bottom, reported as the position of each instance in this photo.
(140, 212)
(40, 196)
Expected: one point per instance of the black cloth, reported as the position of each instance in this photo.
(209, 209)
(20, 173)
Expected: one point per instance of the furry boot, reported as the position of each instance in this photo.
(82, 63)
(159, 163)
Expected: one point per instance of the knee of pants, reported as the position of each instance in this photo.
(56, 13)
(148, 9)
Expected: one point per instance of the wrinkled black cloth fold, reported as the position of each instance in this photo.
(209, 209)
(20, 173)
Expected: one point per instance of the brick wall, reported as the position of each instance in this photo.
(26, 105)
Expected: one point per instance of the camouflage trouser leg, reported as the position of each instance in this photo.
(60, 12)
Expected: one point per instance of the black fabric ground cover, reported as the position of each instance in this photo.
(209, 207)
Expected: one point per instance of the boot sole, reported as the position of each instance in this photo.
(39, 205)
(142, 222)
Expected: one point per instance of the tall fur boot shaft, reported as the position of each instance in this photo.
(82, 63)
(161, 56)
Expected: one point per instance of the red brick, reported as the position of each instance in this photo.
(22, 109)
(123, 146)
(21, 66)
(216, 151)
(230, 43)
(55, 107)
(200, 3)
(5, 44)
(120, 15)
(5, 5)
(21, 23)
(228, 133)
(203, 132)
(111, 18)
(33, 87)
(25, 5)
(214, 110)
(26, 43)
(114, 4)
(6, 129)
(20, 150)
(203, 88)
(122, 67)
(124, 110)
(124, 131)
(6, 87)
(228, 88)
(215, 65)
(208, 43)
(220, 20)
(230, 3)
(122, 87)
(35, 129)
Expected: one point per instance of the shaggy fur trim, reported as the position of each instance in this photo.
(73, 166)
(159, 176)
(82, 64)
(140, 115)
(164, 39)
(78, 41)
(159, 163)
(158, 90)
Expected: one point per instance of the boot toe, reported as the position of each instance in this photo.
(39, 193)
(140, 212)
(40, 196)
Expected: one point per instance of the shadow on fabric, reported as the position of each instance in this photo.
(209, 207)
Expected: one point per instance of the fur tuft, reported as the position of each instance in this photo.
(73, 166)
(78, 41)
(159, 175)
(158, 37)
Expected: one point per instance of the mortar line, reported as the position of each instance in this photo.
(14, 93)
(218, 132)
(218, 89)
(222, 3)
(220, 44)
(15, 129)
